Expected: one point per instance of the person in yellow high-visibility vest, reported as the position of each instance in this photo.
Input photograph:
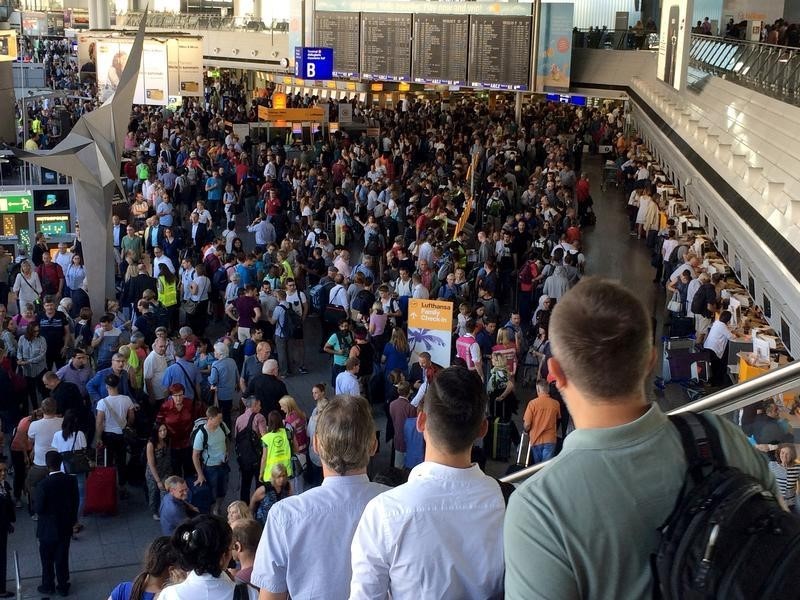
(277, 447)
(168, 293)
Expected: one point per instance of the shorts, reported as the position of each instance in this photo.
(217, 479)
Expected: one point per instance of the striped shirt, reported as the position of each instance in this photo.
(787, 480)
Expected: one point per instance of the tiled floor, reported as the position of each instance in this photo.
(110, 549)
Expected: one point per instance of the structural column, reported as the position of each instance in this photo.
(93, 205)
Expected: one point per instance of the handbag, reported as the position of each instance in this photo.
(675, 305)
(76, 461)
(190, 306)
(333, 312)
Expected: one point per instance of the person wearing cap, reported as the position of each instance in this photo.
(253, 418)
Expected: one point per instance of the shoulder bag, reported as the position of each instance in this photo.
(76, 461)
(128, 432)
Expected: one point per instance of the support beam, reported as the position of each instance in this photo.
(93, 205)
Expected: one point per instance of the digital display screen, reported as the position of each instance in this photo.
(339, 30)
(386, 46)
(439, 49)
(51, 200)
(499, 52)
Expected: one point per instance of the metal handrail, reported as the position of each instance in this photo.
(730, 40)
(769, 68)
(733, 398)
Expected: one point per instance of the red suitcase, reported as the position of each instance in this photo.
(101, 490)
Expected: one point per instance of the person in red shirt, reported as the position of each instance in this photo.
(582, 194)
(177, 414)
(273, 206)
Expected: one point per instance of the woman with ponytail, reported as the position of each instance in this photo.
(204, 551)
(159, 560)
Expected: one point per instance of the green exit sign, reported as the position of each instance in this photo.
(16, 202)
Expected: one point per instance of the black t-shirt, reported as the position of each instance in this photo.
(52, 330)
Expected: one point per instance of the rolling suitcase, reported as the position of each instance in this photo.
(101, 490)
(522, 463)
(501, 440)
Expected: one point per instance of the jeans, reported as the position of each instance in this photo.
(217, 478)
(115, 443)
(335, 370)
(543, 452)
(282, 349)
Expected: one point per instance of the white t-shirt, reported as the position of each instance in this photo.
(62, 445)
(42, 432)
(115, 408)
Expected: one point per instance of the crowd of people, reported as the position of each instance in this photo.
(345, 232)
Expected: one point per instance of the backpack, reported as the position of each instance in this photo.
(292, 322)
(363, 301)
(191, 175)
(248, 446)
(698, 306)
(199, 428)
(673, 257)
(219, 280)
(373, 247)
(727, 536)
(319, 295)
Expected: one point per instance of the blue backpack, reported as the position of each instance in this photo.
(415, 444)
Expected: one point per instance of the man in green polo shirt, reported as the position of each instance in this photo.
(586, 525)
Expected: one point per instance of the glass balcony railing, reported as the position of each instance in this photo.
(190, 22)
(611, 39)
(780, 384)
(772, 70)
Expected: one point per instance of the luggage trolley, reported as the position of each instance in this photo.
(610, 175)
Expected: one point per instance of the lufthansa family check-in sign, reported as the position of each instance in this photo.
(313, 63)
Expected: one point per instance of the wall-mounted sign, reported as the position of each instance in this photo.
(313, 63)
(292, 114)
(53, 225)
(16, 202)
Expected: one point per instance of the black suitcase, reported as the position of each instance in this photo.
(681, 327)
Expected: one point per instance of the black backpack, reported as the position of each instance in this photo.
(292, 322)
(363, 301)
(248, 446)
(727, 536)
(373, 247)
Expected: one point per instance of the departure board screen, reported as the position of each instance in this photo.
(499, 52)
(440, 49)
(386, 46)
(339, 30)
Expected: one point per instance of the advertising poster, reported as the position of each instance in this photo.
(554, 52)
(673, 48)
(185, 61)
(430, 329)
(151, 87)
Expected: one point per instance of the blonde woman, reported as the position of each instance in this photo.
(396, 353)
(27, 286)
(500, 388)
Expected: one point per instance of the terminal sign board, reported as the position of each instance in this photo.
(16, 202)
(313, 63)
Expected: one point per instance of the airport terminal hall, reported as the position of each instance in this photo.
(428, 300)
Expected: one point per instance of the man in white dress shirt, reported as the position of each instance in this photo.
(441, 534)
(304, 551)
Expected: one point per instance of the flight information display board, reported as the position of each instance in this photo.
(439, 49)
(499, 52)
(339, 30)
(386, 46)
